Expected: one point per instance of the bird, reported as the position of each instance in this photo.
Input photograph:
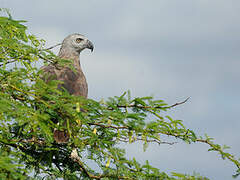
(72, 81)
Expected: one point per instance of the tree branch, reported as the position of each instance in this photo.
(74, 156)
(53, 46)
(147, 140)
(215, 147)
(151, 107)
(109, 126)
(176, 104)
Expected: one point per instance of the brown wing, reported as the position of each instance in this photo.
(73, 81)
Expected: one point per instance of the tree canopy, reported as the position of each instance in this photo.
(28, 106)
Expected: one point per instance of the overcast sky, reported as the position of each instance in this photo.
(170, 49)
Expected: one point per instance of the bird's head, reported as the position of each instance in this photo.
(76, 43)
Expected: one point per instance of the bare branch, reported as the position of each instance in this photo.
(53, 46)
(176, 104)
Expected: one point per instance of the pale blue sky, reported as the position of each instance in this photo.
(167, 48)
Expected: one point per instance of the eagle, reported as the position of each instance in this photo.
(72, 81)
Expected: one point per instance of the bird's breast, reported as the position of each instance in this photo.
(73, 81)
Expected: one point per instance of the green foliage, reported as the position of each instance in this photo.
(29, 107)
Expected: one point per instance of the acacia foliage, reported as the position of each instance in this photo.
(28, 107)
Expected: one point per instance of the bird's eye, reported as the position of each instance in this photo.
(78, 40)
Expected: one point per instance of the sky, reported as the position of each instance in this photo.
(169, 49)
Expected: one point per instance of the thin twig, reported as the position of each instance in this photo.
(53, 46)
(8, 62)
(48, 60)
(109, 126)
(176, 104)
(30, 94)
(150, 107)
(211, 144)
(74, 156)
(32, 140)
(147, 140)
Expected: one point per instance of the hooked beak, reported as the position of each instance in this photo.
(90, 45)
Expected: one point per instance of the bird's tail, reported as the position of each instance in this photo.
(61, 136)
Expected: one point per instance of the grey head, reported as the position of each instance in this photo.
(73, 44)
